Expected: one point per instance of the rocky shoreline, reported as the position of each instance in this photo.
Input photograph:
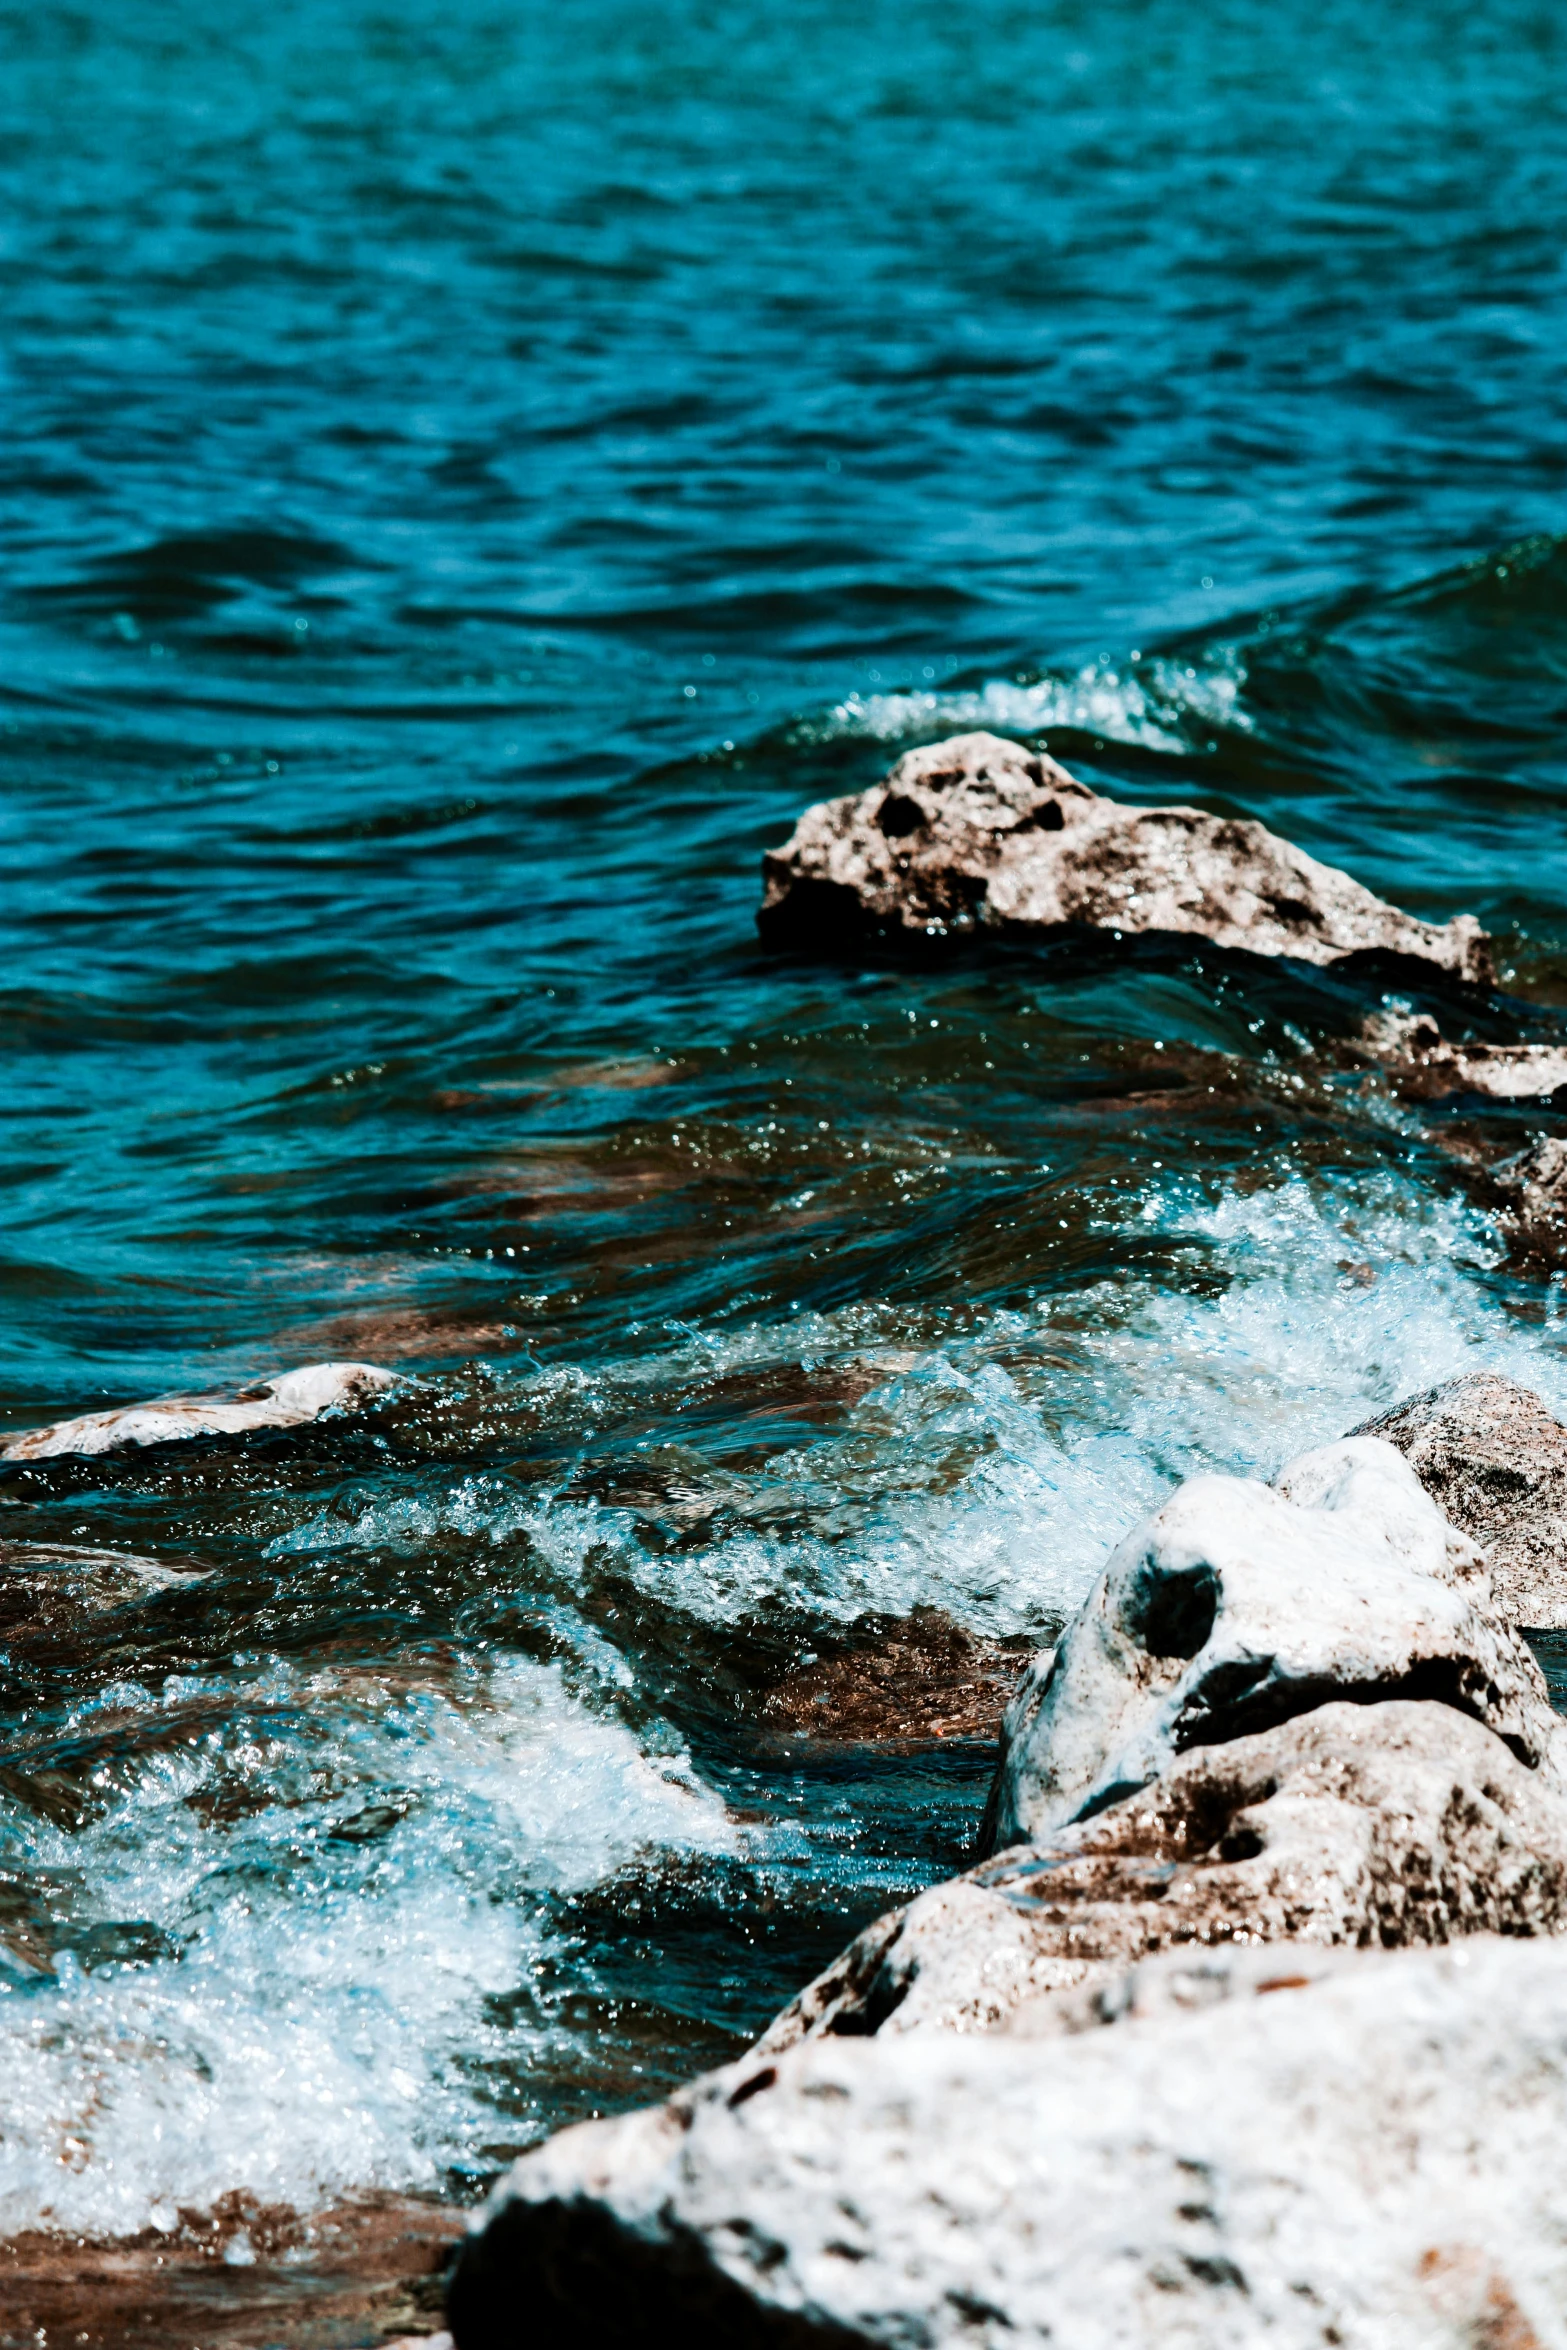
(1295, 1741)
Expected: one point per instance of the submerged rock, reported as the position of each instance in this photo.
(1237, 1605)
(901, 1684)
(979, 830)
(1390, 1824)
(288, 1401)
(353, 2271)
(1367, 2155)
(1494, 1461)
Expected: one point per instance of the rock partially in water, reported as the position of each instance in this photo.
(288, 1401)
(1368, 2155)
(1494, 1460)
(1237, 1605)
(1530, 1191)
(1424, 1065)
(1391, 1824)
(979, 830)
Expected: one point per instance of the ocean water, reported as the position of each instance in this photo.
(471, 476)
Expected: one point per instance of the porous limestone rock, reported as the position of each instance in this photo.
(1494, 1461)
(979, 830)
(1368, 2156)
(1237, 1605)
(287, 1401)
(1390, 1824)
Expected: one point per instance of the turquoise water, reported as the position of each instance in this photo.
(471, 476)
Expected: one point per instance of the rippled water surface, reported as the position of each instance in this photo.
(471, 475)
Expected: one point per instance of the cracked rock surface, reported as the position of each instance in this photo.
(1366, 2155)
(288, 1401)
(980, 830)
(1237, 1605)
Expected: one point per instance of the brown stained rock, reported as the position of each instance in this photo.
(979, 830)
(920, 1682)
(241, 2277)
(290, 1400)
(1355, 1825)
(1494, 1461)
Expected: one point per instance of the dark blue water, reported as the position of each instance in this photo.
(470, 476)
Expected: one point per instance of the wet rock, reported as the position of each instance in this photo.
(1530, 1195)
(1399, 1823)
(288, 1401)
(1237, 1605)
(1494, 1460)
(922, 1681)
(979, 830)
(352, 2272)
(1423, 1065)
(1368, 2155)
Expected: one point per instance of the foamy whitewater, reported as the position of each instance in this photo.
(326, 1938)
(473, 477)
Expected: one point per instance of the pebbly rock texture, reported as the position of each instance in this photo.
(1238, 1605)
(288, 1401)
(1494, 1460)
(979, 830)
(1393, 1824)
(1286, 1734)
(1367, 2156)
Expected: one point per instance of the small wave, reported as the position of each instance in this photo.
(990, 1476)
(328, 1959)
(1153, 703)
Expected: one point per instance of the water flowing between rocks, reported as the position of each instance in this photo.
(472, 481)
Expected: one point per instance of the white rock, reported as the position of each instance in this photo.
(1238, 1605)
(1371, 2159)
(1389, 1824)
(287, 1401)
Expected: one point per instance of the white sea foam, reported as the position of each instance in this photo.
(320, 2028)
(326, 2025)
(991, 1476)
(1150, 703)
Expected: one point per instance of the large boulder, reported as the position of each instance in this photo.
(1367, 2154)
(1391, 1824)
(289, 1401)
(1237, 1605)
(1494, 1460)
(979, 830)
